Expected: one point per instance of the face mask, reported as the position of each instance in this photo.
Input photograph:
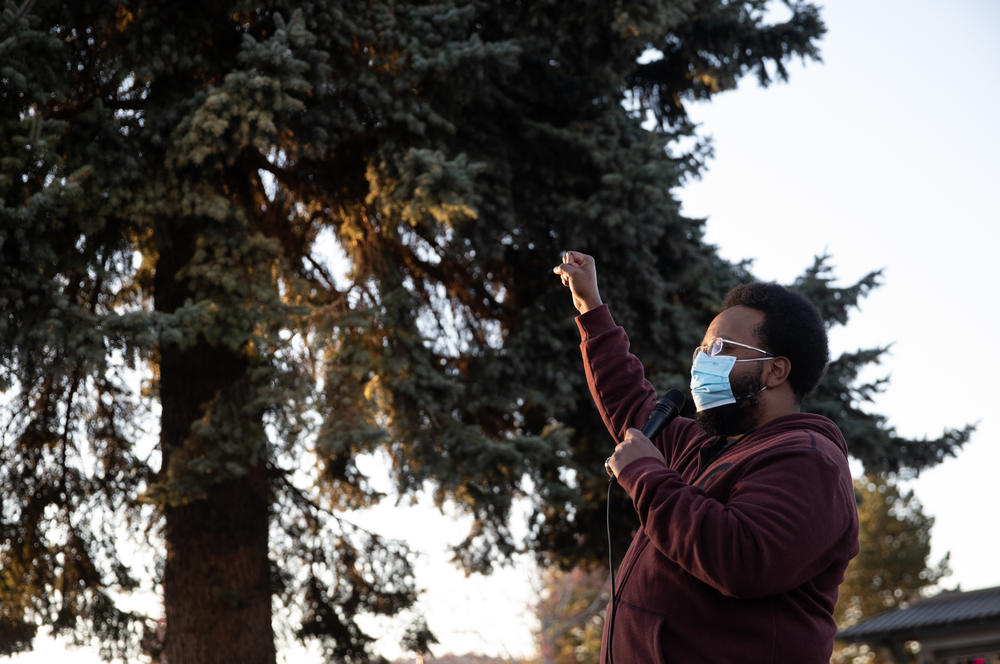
(710, 386)
(710, 381)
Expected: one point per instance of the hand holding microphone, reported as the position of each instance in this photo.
(637, 444)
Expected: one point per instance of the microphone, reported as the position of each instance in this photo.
(665, 410)
(667, 407)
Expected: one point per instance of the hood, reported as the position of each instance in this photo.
(824, 426)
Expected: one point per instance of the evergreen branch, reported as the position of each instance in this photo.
(15, 17)
(305, 501)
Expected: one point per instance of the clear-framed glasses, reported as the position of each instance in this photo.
(718, 343)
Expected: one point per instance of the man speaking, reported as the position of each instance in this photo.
(748, 517)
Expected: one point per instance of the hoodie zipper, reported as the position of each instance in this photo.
(718, 455)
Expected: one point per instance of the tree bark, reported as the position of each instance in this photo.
(216, 589)
(216, 581)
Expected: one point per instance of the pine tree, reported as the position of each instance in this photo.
(180, 362)
(843, 396)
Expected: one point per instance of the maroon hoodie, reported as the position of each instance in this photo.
(738, 560)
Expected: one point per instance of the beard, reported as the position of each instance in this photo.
(735, 418)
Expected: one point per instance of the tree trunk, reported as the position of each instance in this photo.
(216, 578)
(216, 590)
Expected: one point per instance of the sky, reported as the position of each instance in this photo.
(883, 156)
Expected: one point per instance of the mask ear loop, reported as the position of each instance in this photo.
(762, 387)
(752, 394)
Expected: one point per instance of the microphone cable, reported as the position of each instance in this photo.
(611, 565)
(665, 410)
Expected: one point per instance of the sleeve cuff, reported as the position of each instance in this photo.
(631, 474)
(595, 321)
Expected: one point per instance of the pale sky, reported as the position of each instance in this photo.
(884, 155)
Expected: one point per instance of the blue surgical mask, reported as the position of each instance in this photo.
(710, 386)
(710, 381)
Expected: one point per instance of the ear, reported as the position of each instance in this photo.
(778, 372)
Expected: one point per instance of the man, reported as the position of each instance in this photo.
(748, 517)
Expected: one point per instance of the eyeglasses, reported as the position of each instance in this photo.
(718, 343)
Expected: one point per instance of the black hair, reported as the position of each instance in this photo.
(792, 328)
